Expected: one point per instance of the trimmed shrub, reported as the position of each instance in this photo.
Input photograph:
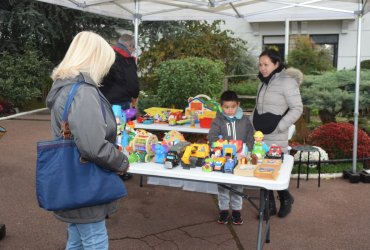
(23, 76)
(183, 78)
(365, 64)
(337, 140)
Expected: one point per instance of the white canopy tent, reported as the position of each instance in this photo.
(249, 10)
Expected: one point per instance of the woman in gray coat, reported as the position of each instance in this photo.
(278, 106)
(87, 60)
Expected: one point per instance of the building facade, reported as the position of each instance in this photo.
(339, 37)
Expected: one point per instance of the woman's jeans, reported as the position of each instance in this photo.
(88, 236)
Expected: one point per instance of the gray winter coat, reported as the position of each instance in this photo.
(94, 139)
(281, 93)
(240, 128)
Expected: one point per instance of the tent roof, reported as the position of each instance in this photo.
(250, 10)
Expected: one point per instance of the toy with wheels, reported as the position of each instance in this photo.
(143, 142)
(194, 155)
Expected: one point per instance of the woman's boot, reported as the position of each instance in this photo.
(272, 204)
(286, 201)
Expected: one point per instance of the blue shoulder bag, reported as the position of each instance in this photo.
(64, 180)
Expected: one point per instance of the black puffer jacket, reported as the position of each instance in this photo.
(121, 84)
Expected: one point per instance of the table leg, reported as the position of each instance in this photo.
(267, 208)
(263, 196)
(141, 181)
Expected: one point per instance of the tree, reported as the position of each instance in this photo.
(177, 40)
(309, 58)
(333, 92)
(51, 28)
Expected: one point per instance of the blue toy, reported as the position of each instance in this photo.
(160, 152)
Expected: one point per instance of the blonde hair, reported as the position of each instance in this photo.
(88, 53)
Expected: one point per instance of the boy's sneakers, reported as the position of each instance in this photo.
(223, 218)
(236, 217)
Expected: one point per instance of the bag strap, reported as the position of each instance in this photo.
(64, 128)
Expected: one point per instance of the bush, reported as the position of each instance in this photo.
(333, 92)
(147, 102)
(184, 78)
(245, 87)
(309, 58)
(23, 76)
(365, 64)
(337, 140)
(6, 108)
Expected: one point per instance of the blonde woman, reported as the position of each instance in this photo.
(87, 60)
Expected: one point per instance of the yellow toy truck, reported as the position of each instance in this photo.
(194, 155)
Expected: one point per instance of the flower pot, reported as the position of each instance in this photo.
(353, 177)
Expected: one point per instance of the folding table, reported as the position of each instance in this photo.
(196, 174)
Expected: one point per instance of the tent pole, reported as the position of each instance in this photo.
(286, 46)
(357, 89)
(137, 17)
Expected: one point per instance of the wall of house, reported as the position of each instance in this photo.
(346, 30)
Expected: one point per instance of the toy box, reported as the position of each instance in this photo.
(275, 163)
(245, 170)
(270, 173)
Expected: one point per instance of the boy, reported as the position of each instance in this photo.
(231, 124)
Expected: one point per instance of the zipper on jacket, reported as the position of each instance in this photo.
(228, 129)
(234, 130)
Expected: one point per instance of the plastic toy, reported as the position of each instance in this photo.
(130, 113)
(208, 165)
(219, 164)
(229, 152)
(161, 114)
(160, 152)
(254, 159)
(121, 124)
(275, 152)
(259, 148)
(199, 105)
(142, 143)
(172, 159)
(217, 146)
(229, 165)
(173, 137)
(194, 155)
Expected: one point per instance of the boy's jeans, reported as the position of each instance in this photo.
(227, 199)
(88, 236)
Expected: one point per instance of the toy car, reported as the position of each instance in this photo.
(172, 159)
(275, 152)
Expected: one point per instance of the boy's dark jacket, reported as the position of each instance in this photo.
(121, 84)
(237, 128)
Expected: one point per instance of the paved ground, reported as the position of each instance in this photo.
(334, 216)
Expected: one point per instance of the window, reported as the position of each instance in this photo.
(329, 43)
(275, 42)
